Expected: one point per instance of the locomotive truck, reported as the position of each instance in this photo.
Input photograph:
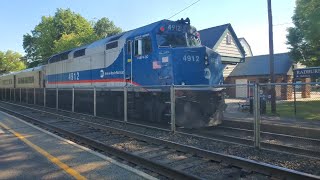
(156, 55)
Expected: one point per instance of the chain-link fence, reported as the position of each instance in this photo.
(293, 102)
(149, 105)
(11, 98)
(65, 99)
(39, 94)
(239, 113)
(291, 118)
(23, 95)
(30, 96)
(239, 100)
(84, 101)
(50, 97)
(110, 103)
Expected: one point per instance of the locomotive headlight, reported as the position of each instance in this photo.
(206, 62)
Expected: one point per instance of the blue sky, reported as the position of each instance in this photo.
(248, 17)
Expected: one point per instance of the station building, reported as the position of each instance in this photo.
(242, 67)
(223, 39)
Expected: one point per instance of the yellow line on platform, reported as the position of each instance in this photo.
(53, 159)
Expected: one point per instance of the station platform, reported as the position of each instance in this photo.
(28, 152)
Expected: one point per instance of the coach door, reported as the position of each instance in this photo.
(128, 59)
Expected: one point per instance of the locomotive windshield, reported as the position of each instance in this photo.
(177, 40)
(172, 39)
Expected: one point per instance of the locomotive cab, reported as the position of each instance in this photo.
(171, 53)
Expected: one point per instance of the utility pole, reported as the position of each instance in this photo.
(272, 79)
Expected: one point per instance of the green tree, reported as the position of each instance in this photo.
(69, 41)
(40, 44)
(104, 28)
(304, 38)
(30, 47)
(10, 61)
(65, 30)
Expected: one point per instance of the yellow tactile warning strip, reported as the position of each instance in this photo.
(51, 158)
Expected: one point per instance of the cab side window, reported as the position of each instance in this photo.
(129, 47)
(142, 46)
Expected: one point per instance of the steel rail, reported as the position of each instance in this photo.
(265, 145)
(279, 135)
(264, 168)
(279, 128)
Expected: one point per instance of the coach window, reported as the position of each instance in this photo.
(142, 46)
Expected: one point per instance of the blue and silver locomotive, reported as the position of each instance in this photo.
(162, 53)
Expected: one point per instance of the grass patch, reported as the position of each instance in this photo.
(308, 110)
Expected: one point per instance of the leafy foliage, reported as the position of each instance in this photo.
(10, 61)
(69, 41)
(63, 31)
(304, 38)
(104, 28)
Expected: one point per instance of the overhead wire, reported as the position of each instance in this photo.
(184, 9)
(200, 0)
(283, 24)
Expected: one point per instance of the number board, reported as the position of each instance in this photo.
(175, 27)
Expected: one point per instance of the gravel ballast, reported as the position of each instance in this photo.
(299, 163)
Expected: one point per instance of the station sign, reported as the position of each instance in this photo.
(307, 72)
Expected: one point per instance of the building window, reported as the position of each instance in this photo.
(228, 39)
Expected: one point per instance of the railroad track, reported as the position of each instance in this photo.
(281, 136)
(276, 127)
(169, 159)
(303, 146)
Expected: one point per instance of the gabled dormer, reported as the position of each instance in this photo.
(224, 41)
